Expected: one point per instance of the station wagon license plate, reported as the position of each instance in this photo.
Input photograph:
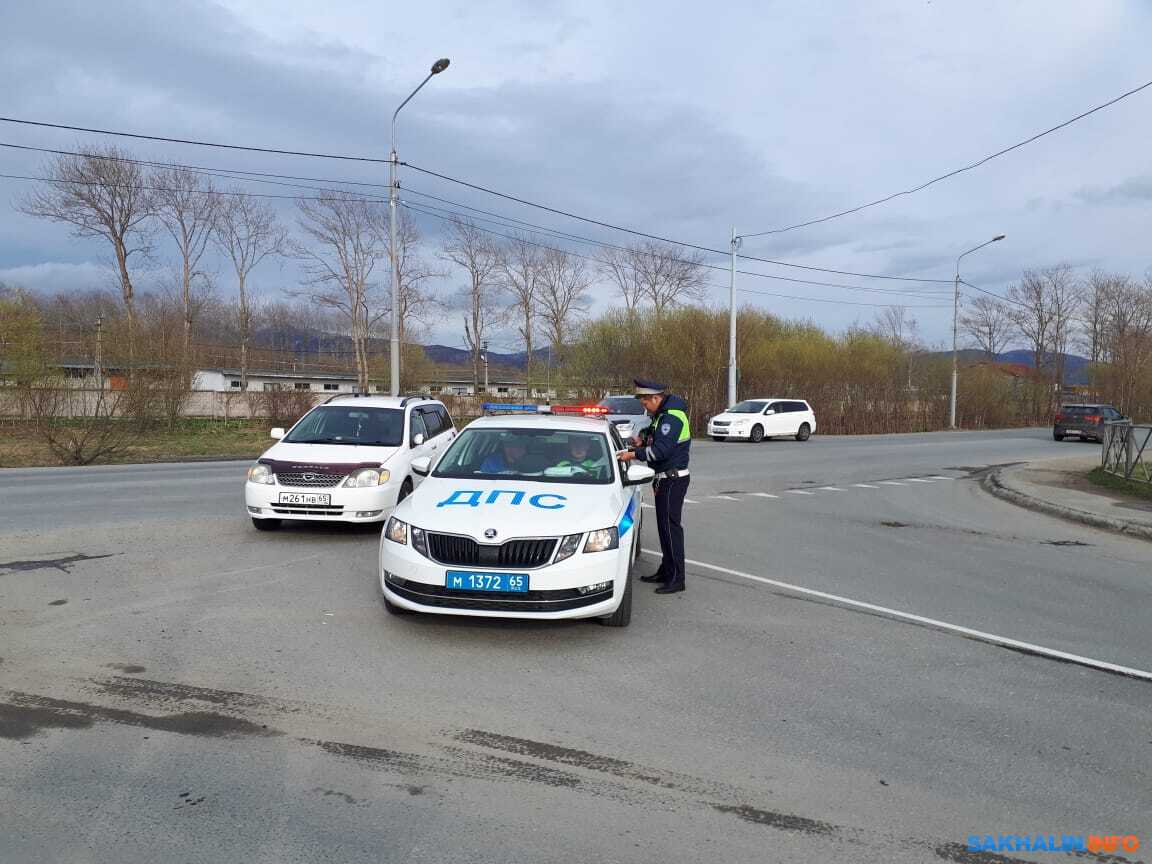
(305, 498)
(465, 580)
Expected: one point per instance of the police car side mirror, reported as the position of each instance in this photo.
(417, 439)
(277, 432)
(638, 475)
(422, 465)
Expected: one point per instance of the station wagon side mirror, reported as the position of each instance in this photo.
(768, 411)
(422, 465)
(277, 432)
(417, 439)
(638, 475)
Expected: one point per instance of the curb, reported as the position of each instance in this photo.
(994, 484)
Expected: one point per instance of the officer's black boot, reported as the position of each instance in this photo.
(658, 576)
(670, 588)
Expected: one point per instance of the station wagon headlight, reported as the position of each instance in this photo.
(367, 477)
(397, 531)
(260, 473)
(603, 540)
(568, 547)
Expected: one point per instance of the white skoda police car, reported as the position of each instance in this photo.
(525, 515)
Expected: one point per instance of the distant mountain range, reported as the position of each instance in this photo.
(1075, 366)
(463, 357)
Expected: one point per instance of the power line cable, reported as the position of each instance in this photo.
(953, 173)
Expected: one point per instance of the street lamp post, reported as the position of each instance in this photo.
(955, 329)
(393, 188)
(732, 321)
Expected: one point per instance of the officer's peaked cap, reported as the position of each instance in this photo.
(648, 388)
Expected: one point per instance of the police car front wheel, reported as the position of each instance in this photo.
(623, 613)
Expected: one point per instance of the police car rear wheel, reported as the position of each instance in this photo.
(266, 524)
(757, 434)
(623, 613)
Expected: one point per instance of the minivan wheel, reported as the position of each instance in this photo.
(804, 433)
(757, 434)
(1056, 436)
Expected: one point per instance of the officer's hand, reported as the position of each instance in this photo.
(625, 455)
(635, 441)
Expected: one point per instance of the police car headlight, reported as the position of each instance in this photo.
(568, 547)
(367, 477)
(419, 540)
(261, 474)
(397, 531)
(603, 540)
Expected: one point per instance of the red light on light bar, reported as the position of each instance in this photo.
(586, 410)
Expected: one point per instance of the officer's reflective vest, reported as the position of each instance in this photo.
(685, 432)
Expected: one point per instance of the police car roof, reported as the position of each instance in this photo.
(559, 422)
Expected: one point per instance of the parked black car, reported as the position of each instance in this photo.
(1086, 420)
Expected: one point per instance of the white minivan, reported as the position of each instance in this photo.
(757, 419)
(348, 460)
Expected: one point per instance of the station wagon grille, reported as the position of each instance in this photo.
(464, 551)
(309, 479)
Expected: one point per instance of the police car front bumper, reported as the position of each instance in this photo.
(586, 585)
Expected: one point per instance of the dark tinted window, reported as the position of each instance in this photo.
(431, 421)
(1079, 410)
(797, 406)
(748, 407)
(445, 420)
(623, 405)
(340, 424)
(418, 427)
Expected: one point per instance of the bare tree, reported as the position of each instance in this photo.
(1031, 314)
(1064, 302)
(1095, 295)
(563, 296)
(520, 264)
(989, 323)
(472, 251)
(618, 266)
(247, 232)
(348, 237)
(1128, 339)
(661, 273)
(100, 195)
(416, 302)
(186, 205)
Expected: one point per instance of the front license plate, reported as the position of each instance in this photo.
(304, 498)
(463, 580)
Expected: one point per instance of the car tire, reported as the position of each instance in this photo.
(804, 432)
(757, 434)
(1056, 436)
(392, 608)
(719, 438)
(405, 489)
(266, 524)
(623, 613)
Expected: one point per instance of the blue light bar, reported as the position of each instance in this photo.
(512, 408)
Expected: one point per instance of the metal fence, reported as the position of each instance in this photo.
(1126, 452)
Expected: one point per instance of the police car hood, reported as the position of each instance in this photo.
(511, 508)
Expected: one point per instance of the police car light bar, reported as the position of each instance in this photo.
(512, 408)
(585, 410)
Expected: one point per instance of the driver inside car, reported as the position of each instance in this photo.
(579, 457)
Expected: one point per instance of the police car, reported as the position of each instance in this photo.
(527, 514)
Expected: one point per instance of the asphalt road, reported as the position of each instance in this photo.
(175, 686)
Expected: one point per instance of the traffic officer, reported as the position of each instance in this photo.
(664, 445)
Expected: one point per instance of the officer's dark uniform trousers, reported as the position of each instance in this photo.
(669, 493)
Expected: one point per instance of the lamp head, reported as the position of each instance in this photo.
(440, 65)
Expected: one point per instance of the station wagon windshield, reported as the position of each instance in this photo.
(543, 455)
(340, 424)
(748, 408)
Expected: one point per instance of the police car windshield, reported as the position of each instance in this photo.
(536, 455)
(350, 424)
(748, 407)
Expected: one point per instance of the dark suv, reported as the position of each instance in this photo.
(1087, 421)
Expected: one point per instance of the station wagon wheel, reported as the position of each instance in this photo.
(804, 433)
(757, 434)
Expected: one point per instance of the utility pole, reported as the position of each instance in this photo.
(732, 321)
(955, 330)
(393, 190)
(98, 364)
(484, 355)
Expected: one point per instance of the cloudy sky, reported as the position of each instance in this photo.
(670, 117)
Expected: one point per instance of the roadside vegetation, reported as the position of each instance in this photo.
(1132, 488)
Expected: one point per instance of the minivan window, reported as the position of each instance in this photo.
(348, 424)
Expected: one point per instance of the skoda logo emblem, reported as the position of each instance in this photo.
(490, 533)
(309, 476)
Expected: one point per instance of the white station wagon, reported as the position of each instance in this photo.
(757, 419)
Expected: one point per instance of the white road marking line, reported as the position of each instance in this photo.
(889, 483)
(724, 497)
(690, 501)
(940, 477)
(918, 480)
(979, 635)
(763, 495)
(649, 506)
(865, 486)
(831, 489)
(797, 492)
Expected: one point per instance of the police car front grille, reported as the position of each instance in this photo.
(464, 551)
(309, 479)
